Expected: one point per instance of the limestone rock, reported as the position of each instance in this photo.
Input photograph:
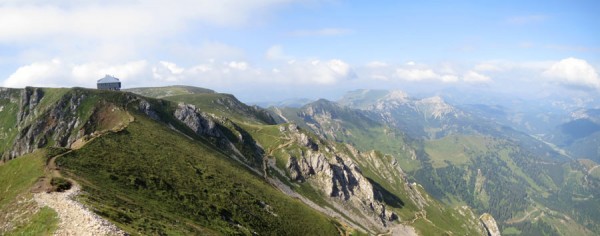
(490, 224)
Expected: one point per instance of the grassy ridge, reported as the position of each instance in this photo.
(161, 92)
(149, 179)
(225, 105)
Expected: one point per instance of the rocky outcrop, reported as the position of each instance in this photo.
(40, 127)
(146, 108)
(30, 98)
(337, 176)
(223, 133)
(198, 121)
(490, 225)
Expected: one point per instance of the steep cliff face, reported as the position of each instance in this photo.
(336, 175)
(223, 133)
(39, 127)
(201, 123)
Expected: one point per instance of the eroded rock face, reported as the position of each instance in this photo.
(490, 225)
(146, 108)
(223, 133)
(55, 126)
(337, 176)
(199, 122)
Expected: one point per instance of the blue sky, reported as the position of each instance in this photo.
(276, 49)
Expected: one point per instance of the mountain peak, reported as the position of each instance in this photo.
(396, 95)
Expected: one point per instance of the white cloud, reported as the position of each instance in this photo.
(416, 74)
(116, 31)
(30, 20)
(276, 53)
(56, 73)
(238, 65)
(36, 74)
(449, 78)
(322, 32)
(574, 72)
(172, 67)
(474, 77)
(129, 71)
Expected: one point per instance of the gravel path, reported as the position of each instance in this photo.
(75, 219)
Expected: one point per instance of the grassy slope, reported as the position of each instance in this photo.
(455, 149)
(225, 105)
(160, 92)
(150, 180)
(17, 178)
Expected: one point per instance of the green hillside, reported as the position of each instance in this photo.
(151, 180)
(160, 92)
(19, 214)
(251, 130)
(145, 175)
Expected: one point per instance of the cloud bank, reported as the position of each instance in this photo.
(574, 72)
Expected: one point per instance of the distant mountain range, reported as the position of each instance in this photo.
(474, 154)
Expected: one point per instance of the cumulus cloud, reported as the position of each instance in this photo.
(216, 74)
(474, 77)
(415, 74)
(57, 73)
(574, 72)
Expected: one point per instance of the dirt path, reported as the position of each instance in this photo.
(526, 216)
(75, 219)
(592, 169)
